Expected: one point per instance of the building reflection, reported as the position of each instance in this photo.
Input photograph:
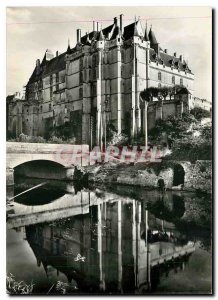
(115, 246)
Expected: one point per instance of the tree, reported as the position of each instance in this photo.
(165, 92)
(200, 113)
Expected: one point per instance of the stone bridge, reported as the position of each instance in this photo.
(63, 155)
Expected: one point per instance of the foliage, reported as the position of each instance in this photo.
(181, 133)
(17, 287)
(62, 288)
(115, 139)
(23, 138)
(62, 131)
(160, 93)
(118, 139)
(191, 149)
(55, 140)
(206, 132)
(200, 113)
(38, 139)
(174, 127)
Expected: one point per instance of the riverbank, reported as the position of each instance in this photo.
(176, 174)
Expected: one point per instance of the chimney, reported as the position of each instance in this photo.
(94, 26)
(38, 62)
(121, 23)
(48, 55)
(37, 66)
(57, 53)
(174, 54)
(115, 21)
(166, 51)
(181, 58)
(97, 26)
(78, 35)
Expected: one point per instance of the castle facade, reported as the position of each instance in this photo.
(98, 82)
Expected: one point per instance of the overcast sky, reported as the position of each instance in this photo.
(32, 30)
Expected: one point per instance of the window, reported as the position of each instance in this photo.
(159, 75)
(41, 108)
(51, 81)
(62, 78)
(57, 81)
(173, 80)
(94, 90)
(81, 63)
(49, 106)
(51, 92)
(81, 93)
(57, 77)
(122, 55)
(159, 85)
(93, 60)
(94, 74)
(181, 81)
(81, 77)
(40, 84)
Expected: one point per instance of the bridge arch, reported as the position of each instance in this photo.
(178, 174)
(14, 160)
(40, 169)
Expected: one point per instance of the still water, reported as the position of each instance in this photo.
(66, 238)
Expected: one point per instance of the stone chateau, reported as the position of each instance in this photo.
(98, 82)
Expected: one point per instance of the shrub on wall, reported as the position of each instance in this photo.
(191, 149)
(200, 113)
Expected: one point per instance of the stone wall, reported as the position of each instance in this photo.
(197, 176)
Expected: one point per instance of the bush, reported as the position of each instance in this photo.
(174, 127)
(38, 139)
(55, 140)
(191, 149)
(28, 139)
(17, 287)
(200, 113)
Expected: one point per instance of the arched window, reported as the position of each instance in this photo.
(173, 80)
(159, 75)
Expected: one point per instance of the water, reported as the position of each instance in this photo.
(65, 238)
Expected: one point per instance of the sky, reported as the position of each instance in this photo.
(32, 30)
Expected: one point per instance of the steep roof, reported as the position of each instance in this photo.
(10, 98)
(96, 34)
(129, 31)
(101, 36)
(152, 37)
(56, 64)
(146, 35)
(169, 60)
